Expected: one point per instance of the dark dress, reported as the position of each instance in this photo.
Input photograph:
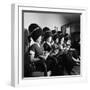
(39, 65)
(38, 50)
(47, 47)
(51, 61)
(59, 59)
(68, 62)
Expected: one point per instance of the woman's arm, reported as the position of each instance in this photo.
(32, 56)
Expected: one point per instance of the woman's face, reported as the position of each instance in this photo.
(31, 41)
(49, 39)
(39, 39)
(57, 40)
(62, 40)
(69, 42)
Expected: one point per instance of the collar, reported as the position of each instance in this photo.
(37, 44)
(48, 43)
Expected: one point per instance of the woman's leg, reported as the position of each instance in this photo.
(41, 66)
(52, 65)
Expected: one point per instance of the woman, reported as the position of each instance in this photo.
(58, 52)
(67, 56)
(50, 61)
(55, 44)
(36, 52)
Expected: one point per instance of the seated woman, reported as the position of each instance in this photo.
(50, 61)
(55, 45)
(45, 29)
(58, 52)
(75, 56)
(68, 58)
(36, 51)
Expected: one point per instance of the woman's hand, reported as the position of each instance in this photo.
(43, 57)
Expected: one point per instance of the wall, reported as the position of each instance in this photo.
(75, 27)
(44, 19)
(5, 45)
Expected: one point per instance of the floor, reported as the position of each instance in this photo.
(75, 71)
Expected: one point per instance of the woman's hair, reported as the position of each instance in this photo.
(36, 34)
(60, 37)
(47, 35)
(55, 37)
(66, 37)
(53, 32)
(32, 27)
(45, 29)
(34, 31)
(59, 32)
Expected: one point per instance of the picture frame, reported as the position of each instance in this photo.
(16, 46)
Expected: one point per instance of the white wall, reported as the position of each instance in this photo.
(44, 19)
(5, 45)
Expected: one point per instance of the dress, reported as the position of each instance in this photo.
(40, 64)
(51, 61)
